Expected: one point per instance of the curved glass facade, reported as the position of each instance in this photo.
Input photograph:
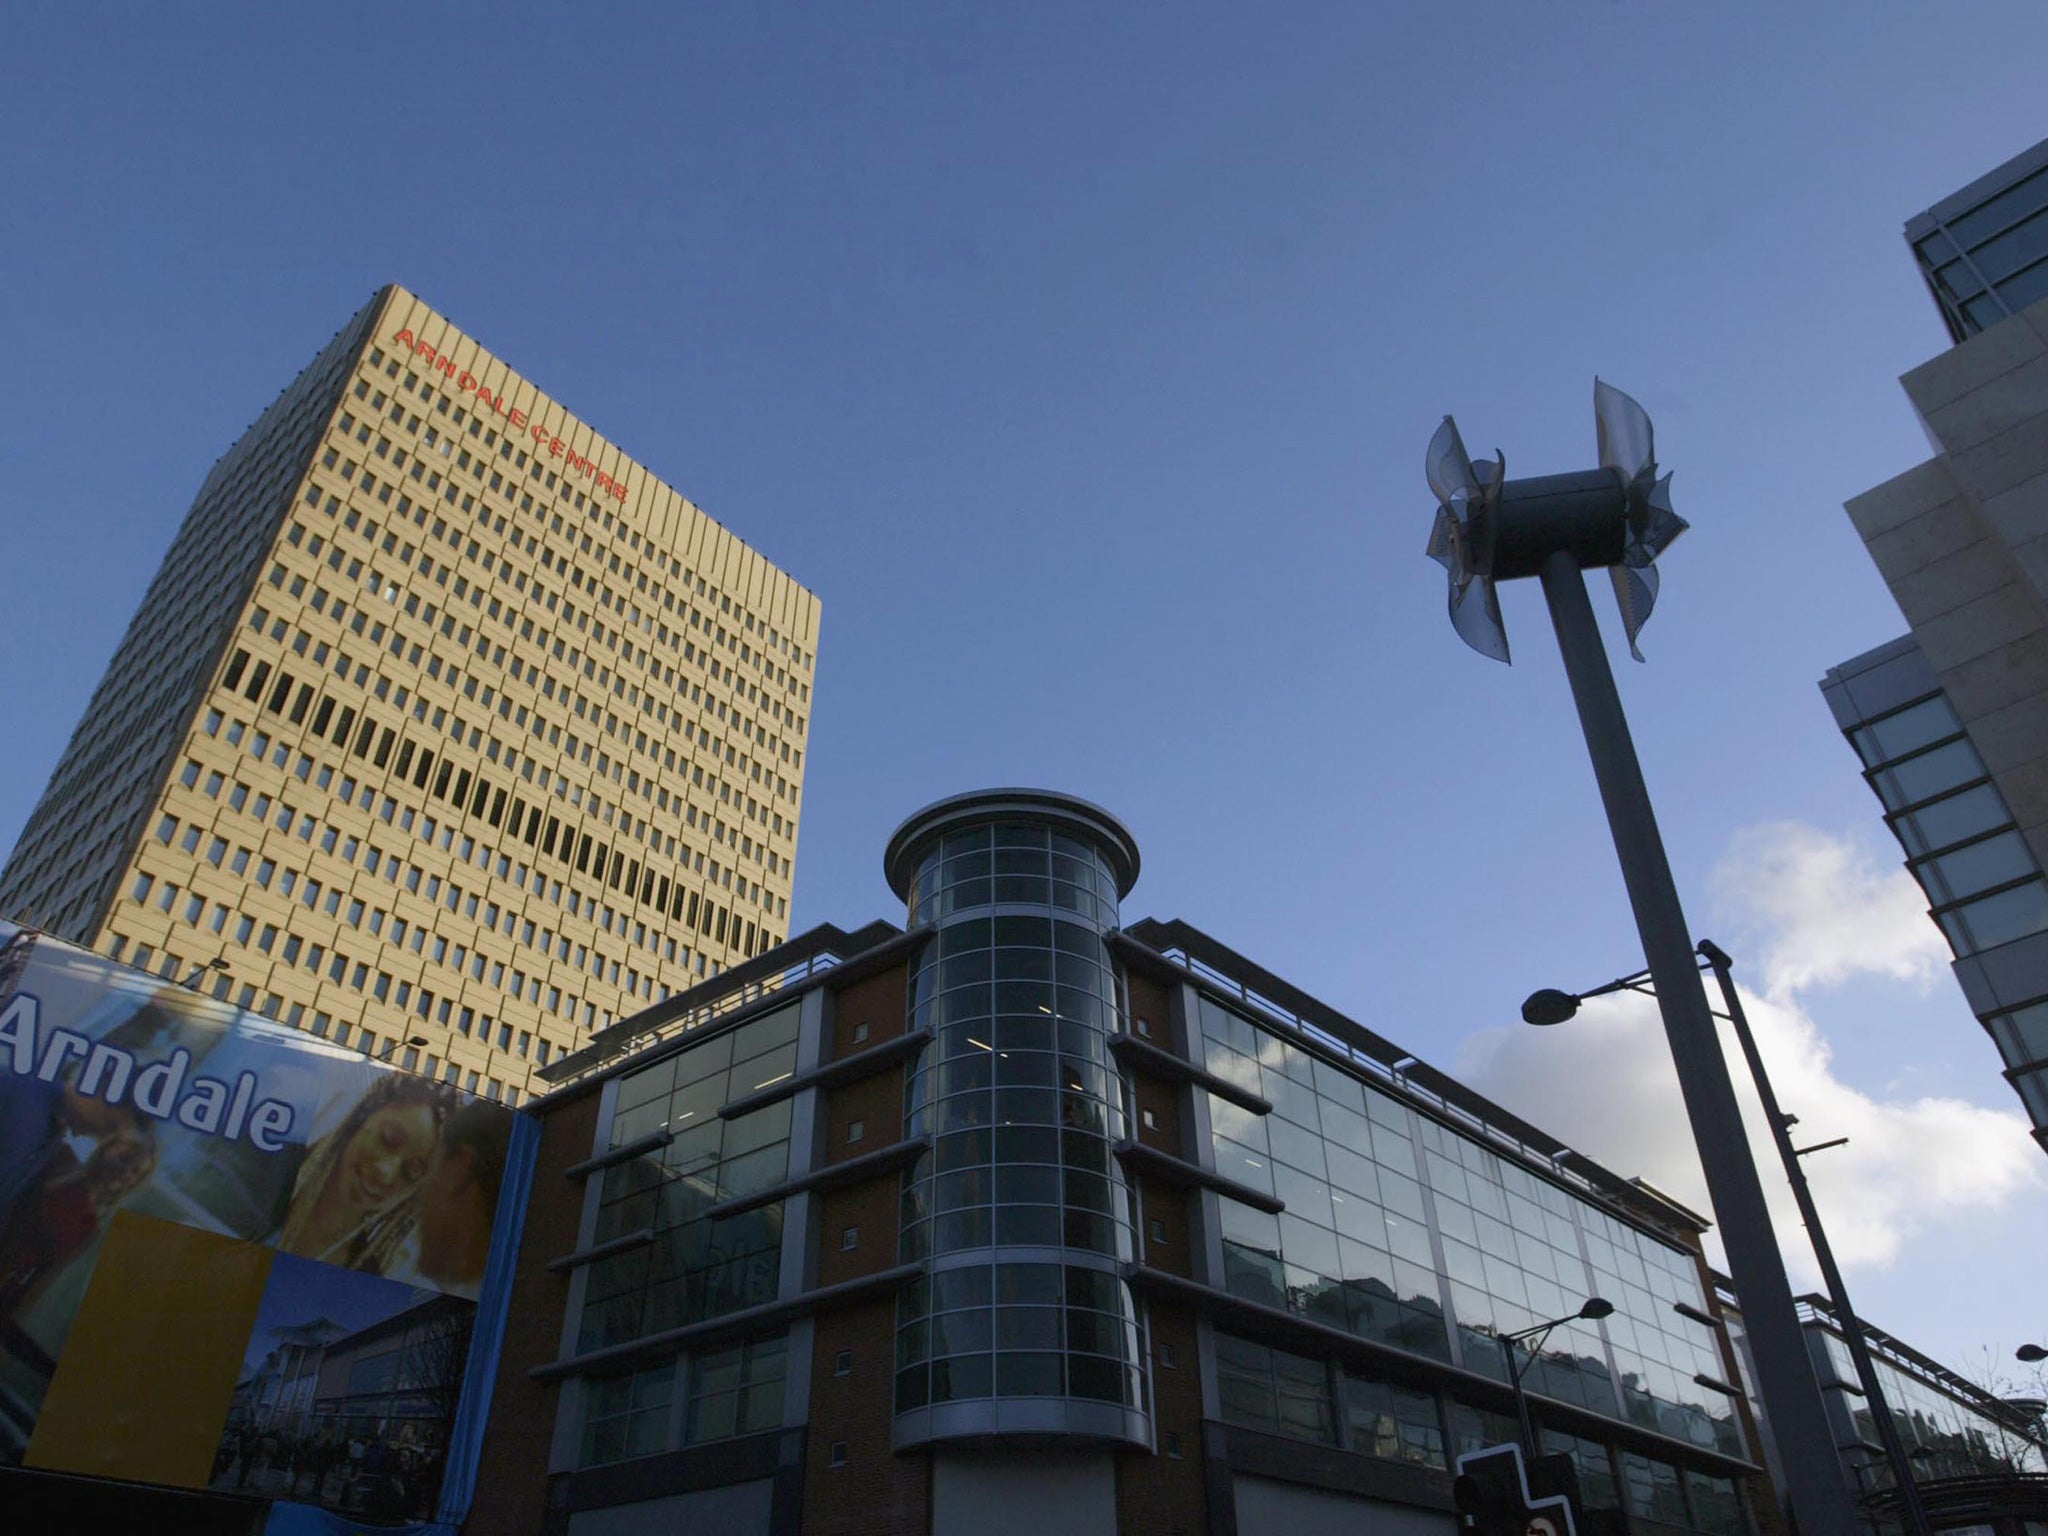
(1019, 1210)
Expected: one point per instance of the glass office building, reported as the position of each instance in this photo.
(1021, 1217)
(1984, 250)
(1948, 720)
(1952, 1428)
(1984, 885)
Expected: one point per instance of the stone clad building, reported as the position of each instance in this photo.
(1951, 720)
(445, 730)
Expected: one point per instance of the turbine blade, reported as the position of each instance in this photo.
(1660, 524)
(1475, 614)
(1449, 467)
(1447, 543)
(1635, 592)
(1627, 441)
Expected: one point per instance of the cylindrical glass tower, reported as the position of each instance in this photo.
(1019, 1212)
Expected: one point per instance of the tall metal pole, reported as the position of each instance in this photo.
(1838, 1294)
(1507, 1350)
(1815, 1487)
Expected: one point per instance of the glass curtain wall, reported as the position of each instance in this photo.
(1945, 1436)
(695, 1267)
(1984, 886)
(1375, 1190)
(1280, 1393)
(1988, 261)
(1019, 1209)
(1981, 879)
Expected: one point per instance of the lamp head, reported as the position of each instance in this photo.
(1596, 1307)
(1549, 1006)
(2031, 1354)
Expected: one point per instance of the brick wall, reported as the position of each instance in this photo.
(512, 1476)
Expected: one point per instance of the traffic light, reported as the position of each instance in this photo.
(1493, 1497)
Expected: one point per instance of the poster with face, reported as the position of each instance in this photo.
(264, 1250)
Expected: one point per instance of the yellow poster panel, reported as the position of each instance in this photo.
(146, 1377)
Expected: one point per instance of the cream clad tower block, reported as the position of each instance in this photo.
(445, 730)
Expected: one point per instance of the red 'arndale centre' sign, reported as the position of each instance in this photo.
(468, 383)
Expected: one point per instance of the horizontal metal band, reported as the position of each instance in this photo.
(626, 1242)
(1142, 1054)
(1270, 1325)
(653, 1141)
(620, 1357)
(1178, 1170)
(832, 1074)
(831, 1176)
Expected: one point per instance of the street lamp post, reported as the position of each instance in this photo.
(1490, 529)
(1553, 1007)
(1596, 1307)
(1823, 1252)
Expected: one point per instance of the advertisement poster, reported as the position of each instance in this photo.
(233, 1257)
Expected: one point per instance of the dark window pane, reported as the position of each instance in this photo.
(1028, 1375)
(1104, 1380)
(2009, 915)
(1979, 866)
(968, 1376)
(2008, 207)
(913, 1389)
(1925, 776)
(1943, 822)
(1911, 728)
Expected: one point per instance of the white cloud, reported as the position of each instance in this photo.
(1817, 910)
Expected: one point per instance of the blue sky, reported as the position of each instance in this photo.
(1082, 359)
(303, 1291)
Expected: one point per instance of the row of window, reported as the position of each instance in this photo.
(693, 1267)
(1286, 1394)
(2002, 243)
(618, 603)
(1374, 1192)
(724, 1393)
(1981, 879)
(196, 911)
(381, 746)
(490, 607)
(1944, 1437)
(473, 795)
(542, 478)
(429, 885)
(371, 624)
(80, 831)
(174, 967)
